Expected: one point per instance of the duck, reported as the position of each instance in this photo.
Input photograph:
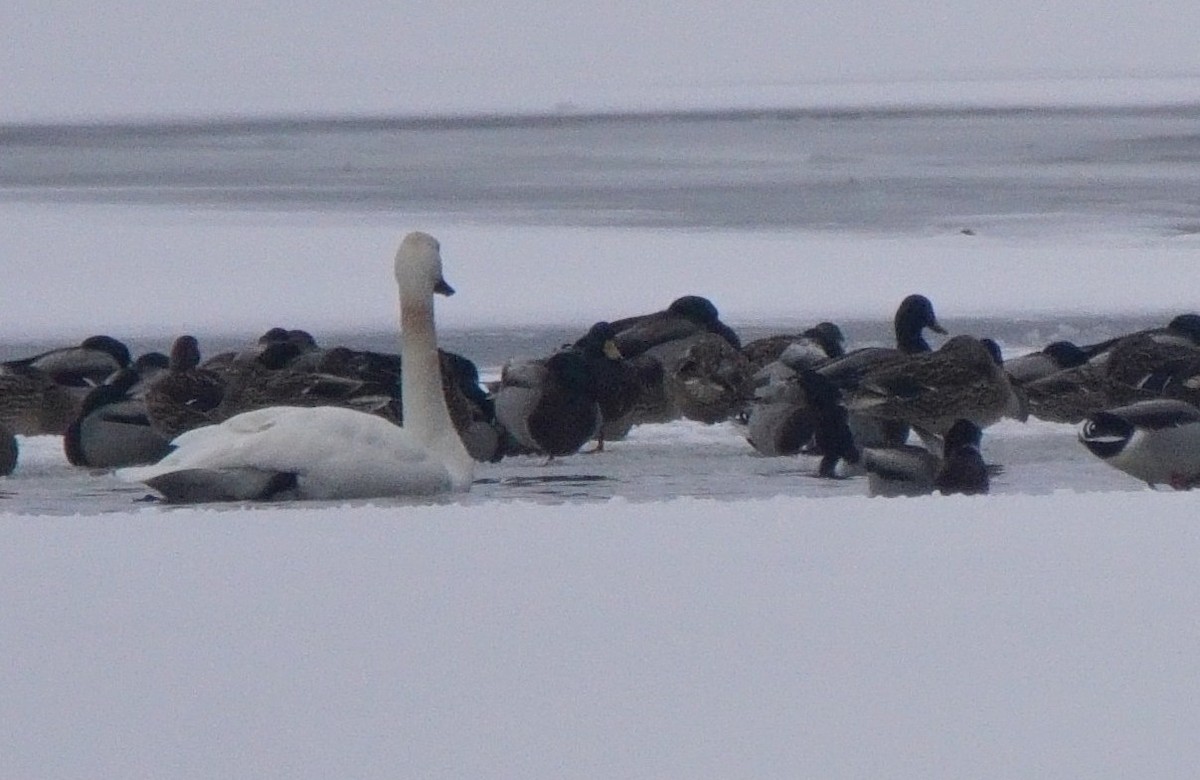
(964, 378)
(185, 396)
(1050, 359)
(86, 365)
(787, 415)
(705, 378)
(1140, 366)
(913, 470)
(549, 405)
(913, 317)
(832, 436)
(33, 404)
(329, 452)
(812, 346)
(617, 383)
(112, 429)
(1182, 329)
(260, 382)
(686, 316)
(1156, 441)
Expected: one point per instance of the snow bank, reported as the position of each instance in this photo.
(1011, 636)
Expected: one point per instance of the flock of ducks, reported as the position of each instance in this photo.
(284, 418)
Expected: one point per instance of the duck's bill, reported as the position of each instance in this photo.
(442, 288)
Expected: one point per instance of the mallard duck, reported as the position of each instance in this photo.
(810, 347)
(549, 405)
(330, 452)
(787, 415)
(617, 382)
(705, 378)
(1156, 441)
(186, 396)
(1054, 357)
(912, 470)
(113, 429)
(33, 404)
(1183, 329)
(687, 316)
(85, 365)
(1137, 367)
(913, 316)
(962, 379)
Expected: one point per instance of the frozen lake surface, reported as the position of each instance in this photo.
(1023, 225)
(676, 606)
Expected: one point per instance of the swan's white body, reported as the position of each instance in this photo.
(331, 452)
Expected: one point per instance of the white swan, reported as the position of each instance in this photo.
(330, 452)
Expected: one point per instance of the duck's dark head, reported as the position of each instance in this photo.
(696, 308)
(1065, 354)
(277, 355)
(914, 314)
(963, 472)
(962, 432)
(994, 350)
(107, 344)
(829, 336)
(600, 340)
(185, 353)
(1186, 325)
(149, 362)
(273, 335)
(1105, 434)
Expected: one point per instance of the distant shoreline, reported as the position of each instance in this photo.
(1098, 96)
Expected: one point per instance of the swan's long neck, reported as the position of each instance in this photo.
(424, 401)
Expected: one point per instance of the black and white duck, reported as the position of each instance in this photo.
(1155, 441)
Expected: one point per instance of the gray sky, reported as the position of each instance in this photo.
(70, 59)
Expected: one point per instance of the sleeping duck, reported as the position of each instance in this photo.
(85, 365)
(113, 429)
(810, 347)
(549, 405)
(687, 316)
(1156, 441)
